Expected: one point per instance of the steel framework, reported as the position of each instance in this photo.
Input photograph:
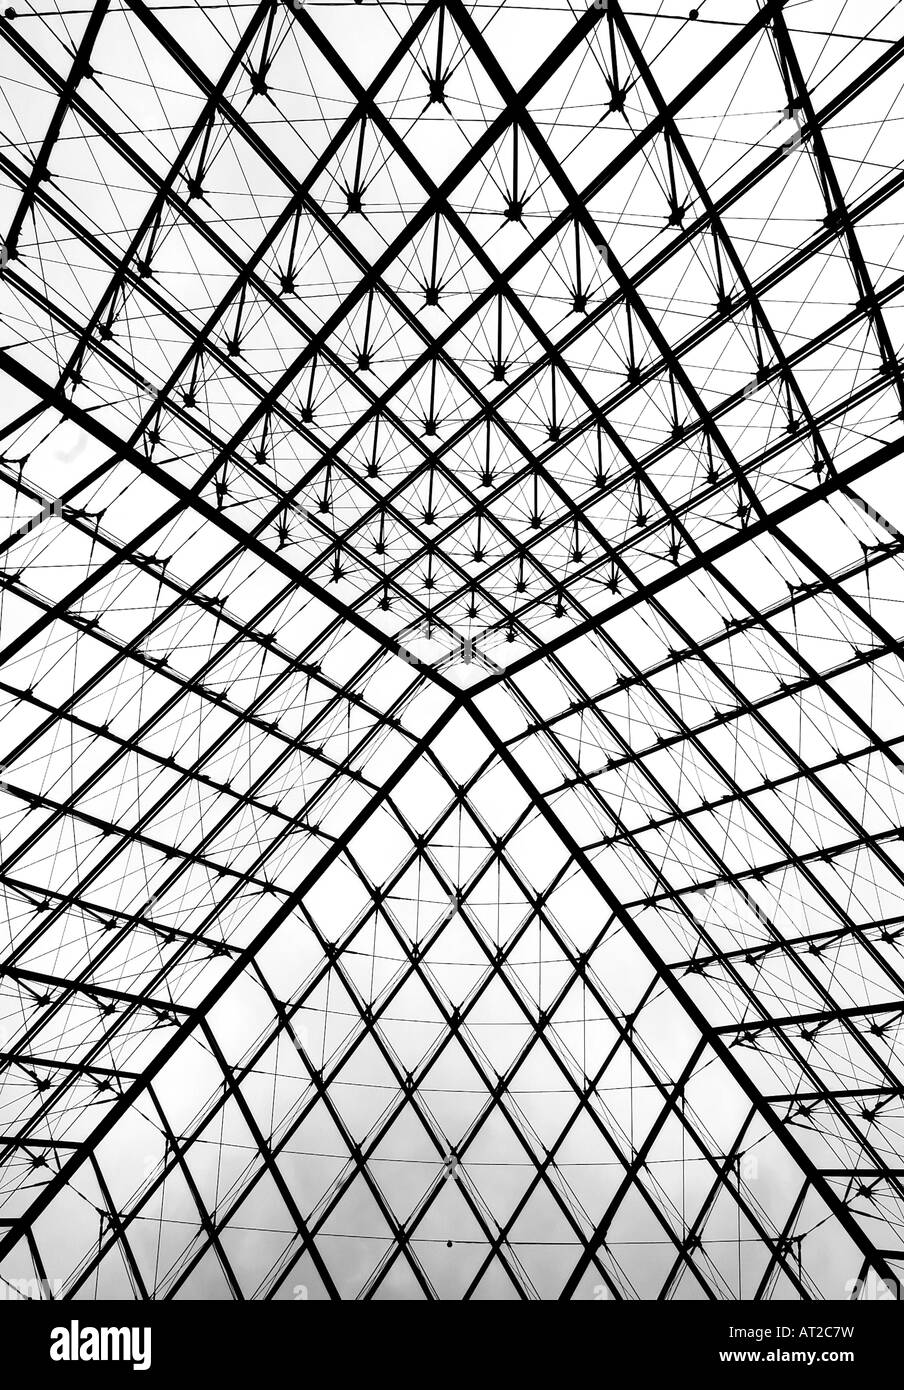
(451, 681)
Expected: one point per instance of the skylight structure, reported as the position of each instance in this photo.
(451, 690)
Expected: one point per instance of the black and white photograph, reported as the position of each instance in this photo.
(451, 679)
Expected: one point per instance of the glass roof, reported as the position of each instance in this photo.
(451, 680)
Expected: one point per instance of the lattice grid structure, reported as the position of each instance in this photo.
(451, 686)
